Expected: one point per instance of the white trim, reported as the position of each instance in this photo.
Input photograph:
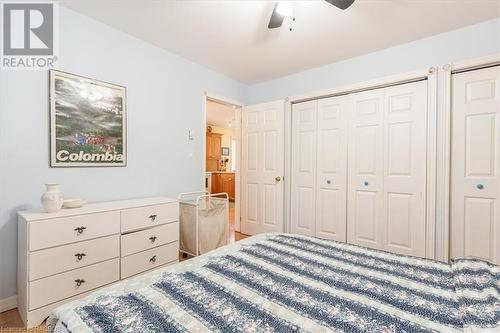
(445, 183)
(430, 247)
(287, 168)
(368, 85)
(8, 303)
(237, 174)
(470, 64)
(222, 99)
(430, 75)
(448, 70)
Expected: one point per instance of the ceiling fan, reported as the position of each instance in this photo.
(284, 9)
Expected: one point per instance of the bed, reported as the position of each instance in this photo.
(291, 283)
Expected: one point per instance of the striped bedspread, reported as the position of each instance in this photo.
(290, 283)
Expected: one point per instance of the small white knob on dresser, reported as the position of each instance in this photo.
(67, 255)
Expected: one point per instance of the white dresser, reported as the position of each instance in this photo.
(66, 255)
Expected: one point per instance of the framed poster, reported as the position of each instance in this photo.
(88, 122)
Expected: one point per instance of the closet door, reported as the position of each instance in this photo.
(365, 175)
(303, 196)
(387, 169)
(405, 165)
(475, 187)
(331, 174)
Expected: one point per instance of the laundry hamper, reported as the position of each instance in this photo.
(204, 222)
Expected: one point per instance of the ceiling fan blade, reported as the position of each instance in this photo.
(276, 19)
(342, 4)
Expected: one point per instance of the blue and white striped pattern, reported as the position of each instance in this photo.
(290, 283)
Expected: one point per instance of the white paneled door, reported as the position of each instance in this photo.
(319, 167)
(303, 196)
(365, 193)
(405, 169)
(475, 165)
(262, 168)
(387, 169)
(331, 176)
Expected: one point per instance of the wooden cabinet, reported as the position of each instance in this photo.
(224, 182)
(214, 143)
(213, 150)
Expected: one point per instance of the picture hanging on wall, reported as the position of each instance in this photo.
(88, 121)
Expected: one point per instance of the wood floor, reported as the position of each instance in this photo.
(10, 321)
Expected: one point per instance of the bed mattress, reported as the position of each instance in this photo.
(291, 283)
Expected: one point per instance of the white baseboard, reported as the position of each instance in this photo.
(8, 303)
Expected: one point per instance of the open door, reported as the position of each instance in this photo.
(262, 168)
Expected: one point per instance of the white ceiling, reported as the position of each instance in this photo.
(219, 115)
(232, 38)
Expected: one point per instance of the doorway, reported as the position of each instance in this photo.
(222, 156)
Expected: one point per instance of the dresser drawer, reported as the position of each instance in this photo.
(146, 260)
(64, 258)
(144, 217)
(61, 286)
(65, 230)
(147, 239)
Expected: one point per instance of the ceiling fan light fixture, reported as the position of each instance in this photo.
(284, 8)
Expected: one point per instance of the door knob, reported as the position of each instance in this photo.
(277, 179)
(479, 186)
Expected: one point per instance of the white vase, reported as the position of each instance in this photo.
(52, 199)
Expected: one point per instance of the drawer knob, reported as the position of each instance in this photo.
(80, 230)
(480, 186)
(153, 259)
(79, 256)
(79, 282)
(153, 217)
(328, 181)
(366, 183)
(152, 239)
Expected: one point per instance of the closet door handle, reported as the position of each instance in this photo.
(79, 282)
(79, 256)
(80, 230)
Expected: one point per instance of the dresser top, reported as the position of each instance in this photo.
(39, 214)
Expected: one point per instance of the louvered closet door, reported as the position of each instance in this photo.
(475, 165)
(365, 169)
(331, 175)
(303, 196)
(405, 165)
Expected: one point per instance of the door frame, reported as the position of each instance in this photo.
(237, 129)
(445, 184)
(429, 74)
